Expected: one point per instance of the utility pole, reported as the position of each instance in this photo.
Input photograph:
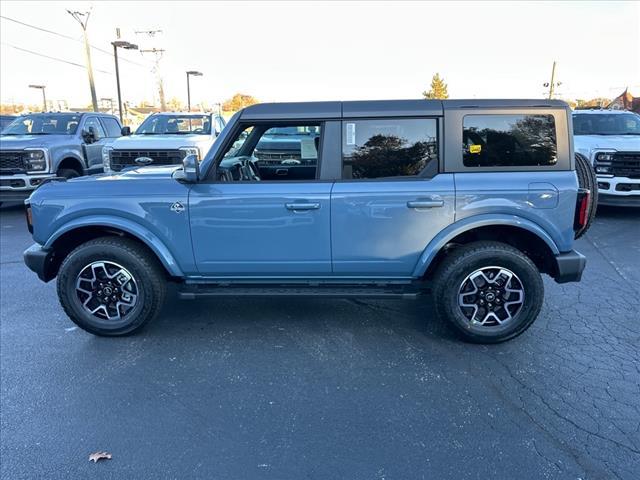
(158, 52)
(553, 84)
(156, 70)
(83, 18)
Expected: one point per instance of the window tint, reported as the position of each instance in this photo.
(112, 126)
(509, 140)
(93, 122)
(282, 152)
(388, 147)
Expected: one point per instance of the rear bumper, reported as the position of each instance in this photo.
(40, 260)
(569, 266)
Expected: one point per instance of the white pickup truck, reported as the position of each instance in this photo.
(610, 139)
(163, 139)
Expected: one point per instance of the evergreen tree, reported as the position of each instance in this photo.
(438, 89)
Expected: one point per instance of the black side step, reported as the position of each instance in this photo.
(190, 292)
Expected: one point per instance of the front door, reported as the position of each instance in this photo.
(392, 201)
(264, 217)
(93, 150)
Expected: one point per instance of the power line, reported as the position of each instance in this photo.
(68, 37)
(51, 58)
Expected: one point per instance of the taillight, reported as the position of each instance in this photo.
(582, 209)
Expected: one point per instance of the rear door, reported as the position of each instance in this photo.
(391, 200)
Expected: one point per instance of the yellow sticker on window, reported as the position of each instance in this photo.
(475, 148)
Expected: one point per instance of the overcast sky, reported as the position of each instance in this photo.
(320, 51)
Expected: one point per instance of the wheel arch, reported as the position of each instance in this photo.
(518, 232)
(73, 163)
(74, 233)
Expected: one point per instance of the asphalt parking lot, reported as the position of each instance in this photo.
(324, 389)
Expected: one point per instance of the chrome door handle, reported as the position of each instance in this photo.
(433, 203)
(302, 206)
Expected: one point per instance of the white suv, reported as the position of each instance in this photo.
(610, 139)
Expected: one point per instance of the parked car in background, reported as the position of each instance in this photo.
(610, 140)
(6, 120)
(472, 200)
(39, 146)
(288, 152)
(164, 139)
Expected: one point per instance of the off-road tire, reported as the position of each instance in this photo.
(464, 260)
(143, 266)
(68, 173)
(587, 179)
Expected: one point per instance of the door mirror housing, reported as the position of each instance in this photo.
(191, 168)
(125, 131)
(89, 136)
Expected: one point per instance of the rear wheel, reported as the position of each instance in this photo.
(488, 291)
(587, 179)
(111, 286)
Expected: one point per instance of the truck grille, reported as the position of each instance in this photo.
(127, 158)
(275, 158)
(626, 164)
(12, 162)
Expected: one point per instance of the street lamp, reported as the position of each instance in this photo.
(126, 46)
(44, 96)
(195, 74)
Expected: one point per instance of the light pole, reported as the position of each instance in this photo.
(126, 46)
(83, 18)
(44, 95)
(195, 74)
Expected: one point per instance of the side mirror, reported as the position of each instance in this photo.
(191, 168)
(125, 131)
(89, 136)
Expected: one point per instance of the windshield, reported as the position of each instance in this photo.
(175, 125)
(44, 124)
(606, 124)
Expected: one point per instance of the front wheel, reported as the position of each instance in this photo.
(111, 286)
(488, 291)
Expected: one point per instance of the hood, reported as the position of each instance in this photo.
(15, 142)
(291, 142)
(137, 173)
(162, 142)
(586, 144)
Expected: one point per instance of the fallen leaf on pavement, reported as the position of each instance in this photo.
(94, 457)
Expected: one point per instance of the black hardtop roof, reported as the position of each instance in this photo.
(382, 108)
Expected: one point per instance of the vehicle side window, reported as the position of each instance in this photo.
(274, 152)
(93, 122)
(112, 127)
(389, 148)
(504, 140)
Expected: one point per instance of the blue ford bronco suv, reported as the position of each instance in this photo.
(470, 201)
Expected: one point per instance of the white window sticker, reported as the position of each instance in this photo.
(351, 133)
(308, 148)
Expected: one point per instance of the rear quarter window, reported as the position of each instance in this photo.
(503, 140)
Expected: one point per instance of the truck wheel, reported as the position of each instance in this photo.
(489, 291)
(587, 179)
(67, 173)
(111, 286)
